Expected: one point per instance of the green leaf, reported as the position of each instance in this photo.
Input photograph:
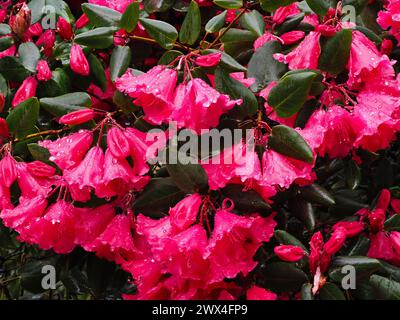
(371, 35)
(272, 5)
(32, 276)
(62, 9)
(317, 194)
(245, 201)
(303, 211)
(169, 56)
(120, 61)
(36, 7)
(286, 238)
(12, 69)
(236, 90)
(164, 33)
(59, 106)
(331, 291)
(101, 16)
(291, 92)
(39, 153)
(320, 7)
(227, 62)
(254, 22)
(289, 142)
(58, 85)
(229, 4)
(99, 274)
(158, 5)
(282, 277)
(393, 223)
(238, 41)
(22, 119)
(361, 247)
(364, 266)
(353, 175)
(6, 42)
(3, 85)
(385, 288)
(190, 178)
(158, 196)
(263, 67)
(29, 55)
(359, 5)
(216, 23)
(336, 52)
(130, 17)
(99, 38)
(97, 71)
(191, 26)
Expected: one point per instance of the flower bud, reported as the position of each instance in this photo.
(25, 91)
(20, 19)
(64, 29)
(292, 37)
(77, 117)
(353, 228)
(2, 101)
(184, 214)
(78, 61)
(36, 29)
(289, 253)
(4, 132)
(376, 220)
(118, 143)
(316, 245)
(40, 169)
(47, 39)
(209, 60)
(336, 241)
(82, 21)
(383, 200)
(8, 171)
(43, 71)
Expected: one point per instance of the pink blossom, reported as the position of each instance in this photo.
(306, 54)
(352, 228)
(25, 91)
(68, 151)
(184, 214)
(153, 91)
(8, 171)
(4, 132)
(47, 39)
(258, 293)
(292, 37)
(117, 143)
(390, 18)
(77, 117)
(119, 5)
(282, 13)
(209, 60)
(266, 37)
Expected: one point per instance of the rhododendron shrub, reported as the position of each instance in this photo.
(200, 150)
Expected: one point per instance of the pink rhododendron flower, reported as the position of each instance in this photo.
(306, 54)
(257, 293)
(352, 228)
(390, 18)
(117, 143)
(153, 91)
(4, 132)
(8, 171)
(266, 37)
(118, 5)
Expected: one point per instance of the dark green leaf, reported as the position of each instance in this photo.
(336, 52)
(227, 62)
(237, 41)
(59, 106)
(359, 5)
(282, 277)
(286, 238)
(130, 17)
(158, 5)
(12, 69)
(291, 92)
(120, 61)
(331, 291)
(320, 7)
(229, 4)
(164, 33)
(317, 194)
(303, 211)
(36, 7)
(263, 67)
(306, 292)
(216, 23)
(289, 142)
(254, 22)
(272, 5)
(101, 16)
(191, 26)
(169, 57)
(99, 38)
(236, 90)
(6, 42)
(385, 288)
(22, 119)
(97, 71)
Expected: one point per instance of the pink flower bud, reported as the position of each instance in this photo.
(25, 91)
(386, 46)
(64, 29)
(316, 245)
(289, 253)
(8, 171)
(4, 132)
(47, 39)
(336, 241)
(43, 71)
(292, 37)
(2, 101)
(118, 143)
(383, 200)
(20, 19)
(209, 60)
(78, 61)
(376, 220)
(82, 21)
(395, 240)
(353, 228)
(36, 29)
(184, 214)
(77, 117)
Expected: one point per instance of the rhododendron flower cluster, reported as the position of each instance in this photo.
(200, 150)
